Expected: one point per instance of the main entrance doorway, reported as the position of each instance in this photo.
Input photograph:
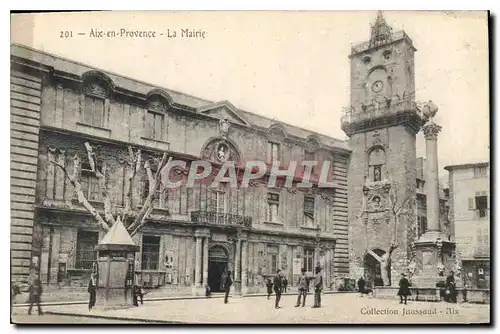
(218, 260)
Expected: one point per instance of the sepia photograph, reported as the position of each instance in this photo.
(250, 167)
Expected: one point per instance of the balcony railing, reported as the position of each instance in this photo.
(220, 218)
(371, 44)
(362, 113)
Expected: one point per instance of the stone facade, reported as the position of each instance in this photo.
(182, 246)
(469, 194)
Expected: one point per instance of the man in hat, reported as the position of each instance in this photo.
(302, 287)
(318, 287)
(278, 288)
(404, 289)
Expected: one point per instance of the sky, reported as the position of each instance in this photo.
(292, 66)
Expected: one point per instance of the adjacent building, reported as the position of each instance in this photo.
(194, 235)
(469, 189)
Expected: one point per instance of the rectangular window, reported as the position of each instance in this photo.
(153, 125)
(273, 201)
(309, 260)
(219, 203)
(85, 253)
(150, 252)
(93, 111)
(309, 211)
(272, 253)
(422, 225)
(480, 171)
(90, 186)
(481, 206)
(273, 150)
(421, 202)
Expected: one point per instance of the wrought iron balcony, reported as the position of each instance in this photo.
(371, 44)
(392, 110)
(220, 218)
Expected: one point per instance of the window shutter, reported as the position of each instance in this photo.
(488, 202)
(471, 203)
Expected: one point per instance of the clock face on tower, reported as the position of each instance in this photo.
(377, 86)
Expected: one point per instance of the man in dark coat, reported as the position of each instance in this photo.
(92, 291)
(404, 289)
(302, 286)
(269, 285)
(361, 285)
(450, 289)
(227, 286)
(35, 291)
(278, 288)
(318, 287)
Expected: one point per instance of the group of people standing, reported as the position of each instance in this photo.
(279, 285)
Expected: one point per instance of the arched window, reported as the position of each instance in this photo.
(154, 119)
(376, 164)
(96, 88)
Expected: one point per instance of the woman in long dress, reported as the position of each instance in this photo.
(404, 289)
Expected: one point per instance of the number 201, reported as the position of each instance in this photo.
(66, 34)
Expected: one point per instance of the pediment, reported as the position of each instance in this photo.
(224, 109)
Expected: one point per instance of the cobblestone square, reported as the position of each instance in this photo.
(336, 309)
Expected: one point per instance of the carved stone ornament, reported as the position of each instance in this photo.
(222, 152)
(224, 127)
(376, 139)
(95, 89)
(157, 104)
(431, 130)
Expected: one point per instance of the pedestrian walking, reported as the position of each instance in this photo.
(318, 287)
(269, 285)
(285, 283)
(302, 286)
(35, 291)
(92, 291)
(138, 293)
(227, 286)
(278, 288)
(404, 289)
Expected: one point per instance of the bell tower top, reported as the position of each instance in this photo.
(382, 81)
(380, 31)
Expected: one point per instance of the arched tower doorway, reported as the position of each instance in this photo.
(218, 259)
(372, 268)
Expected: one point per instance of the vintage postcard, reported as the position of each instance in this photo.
(250, 167)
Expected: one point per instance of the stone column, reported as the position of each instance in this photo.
(244, 261)
(205, 262)
(237, 276)
(197, 270)
(431, 131)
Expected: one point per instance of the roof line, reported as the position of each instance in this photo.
(467, 165)
(168, 89)
(110, 72)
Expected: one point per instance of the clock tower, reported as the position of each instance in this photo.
(382, 122)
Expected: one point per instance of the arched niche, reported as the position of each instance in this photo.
(377, 163)
(378, 85)
(158, 100)
(97, 84)
(221, 150)
(276, 133)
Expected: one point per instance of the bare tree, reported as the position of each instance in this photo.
(396, 211)
(134, 162)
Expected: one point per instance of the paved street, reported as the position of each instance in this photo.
(58, 319)
(337, 308)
